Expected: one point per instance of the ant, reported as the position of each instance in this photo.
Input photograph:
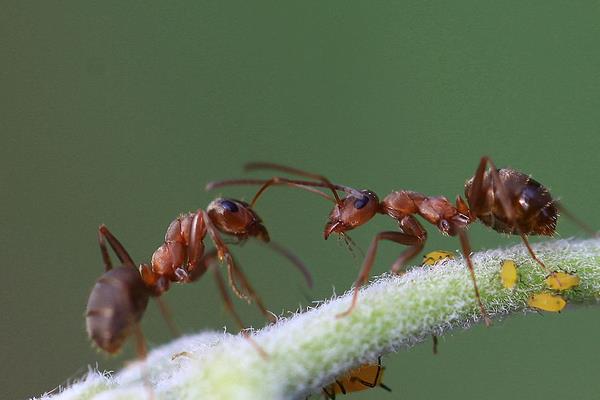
(506, 200)
(119, 298)
(367, 376)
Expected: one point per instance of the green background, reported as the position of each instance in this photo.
(119, 112)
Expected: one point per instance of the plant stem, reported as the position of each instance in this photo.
(307, 351)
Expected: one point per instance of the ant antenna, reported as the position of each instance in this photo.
(324, 181)
(304, 185)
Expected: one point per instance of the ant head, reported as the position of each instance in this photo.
(236, 218)
(351, 212)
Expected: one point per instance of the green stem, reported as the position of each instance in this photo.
(310, 349)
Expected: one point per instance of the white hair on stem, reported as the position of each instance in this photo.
(309, 349)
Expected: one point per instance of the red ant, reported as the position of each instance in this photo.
(119, 298)
(506, 200)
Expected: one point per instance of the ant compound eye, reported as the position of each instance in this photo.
(229, 206)
(360, 203)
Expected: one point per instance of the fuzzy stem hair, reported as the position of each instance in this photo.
(309, 349)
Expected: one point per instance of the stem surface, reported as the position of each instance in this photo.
(308, 350)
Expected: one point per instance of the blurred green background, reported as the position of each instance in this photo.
(118, 113)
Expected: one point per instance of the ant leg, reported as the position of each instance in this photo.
(234, 270)
(410, 226)
(416, 242)
(500, 191)
(276, 247)
(142, 352)
(251, 292)
(435, 344)
(233, 283)
(114, 243)
(196, 245)
(532, 253)
(466, 248)
(230, 307)
(479, 189)
(203, 265)
(140, 342)
(167, 316)
(223, 253)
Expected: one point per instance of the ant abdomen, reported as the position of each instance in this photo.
(117, 302)
(532, 204)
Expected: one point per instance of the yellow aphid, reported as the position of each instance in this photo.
(437, 256)
(562, 280)
(508, 274)
(547, 302)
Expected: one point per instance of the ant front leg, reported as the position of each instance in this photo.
(414, 236)
(209, 261)
(234, 270)
(223, 253)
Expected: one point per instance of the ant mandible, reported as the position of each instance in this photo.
(505, 200)
(119, 298)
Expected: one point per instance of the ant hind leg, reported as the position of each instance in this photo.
(142, 354)
(122, 254)
(466, 248)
